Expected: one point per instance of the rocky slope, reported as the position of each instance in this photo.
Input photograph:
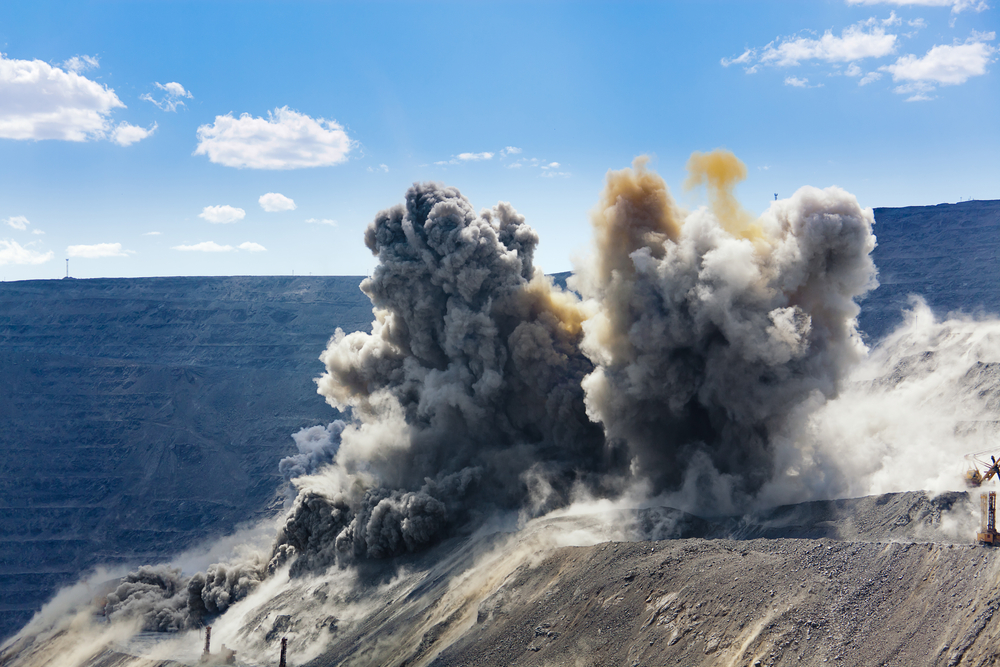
(871, 590)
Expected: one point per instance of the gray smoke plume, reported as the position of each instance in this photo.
(712, 326)
(167, 601)
(482, 387)
(466, 393)
(317, 446)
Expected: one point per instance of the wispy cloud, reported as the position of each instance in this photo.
(322, 221)
(18, 222)
(78, 64)
(173, 97)
(152, 233)
(957, 6)
(205, 246)
(286, 139)
(96, 250)
(11, 252)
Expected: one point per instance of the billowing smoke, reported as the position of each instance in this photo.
(466, 394)
(317, 447)
(167, 601)
(712, 326)
(924, 398)
(686, 362)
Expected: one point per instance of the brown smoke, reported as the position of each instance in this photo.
(720, 171)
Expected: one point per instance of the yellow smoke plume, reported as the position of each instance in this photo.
(720, 171)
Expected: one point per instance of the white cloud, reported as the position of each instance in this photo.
(222, 214)
(11, 252)
(796, 82)
(551, 165)
(956, 5)
(514, 165)
(322, 221)
(917, 23)
(96, 250)
(555, 174)
(37, 231)
(78, 64)
(286, 139)
(852, 70)
(869, 78)
(126, 134)
(205, 246)
(274, 202)
(173, 97)
(943, 65)
(892, 20)
(862, 40)
(742, 59)
(381, 167)
(251, 247)
(17, 222)
(510, 150)
(152, 233)
(39, 101)
(474, 157)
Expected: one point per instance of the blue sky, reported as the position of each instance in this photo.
(139, 138)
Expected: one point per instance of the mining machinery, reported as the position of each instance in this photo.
(974, 478)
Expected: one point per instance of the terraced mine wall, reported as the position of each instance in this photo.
(139, 416)
(948, 254)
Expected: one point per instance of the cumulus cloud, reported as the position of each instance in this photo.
(322, 221)
(174, 94)
(11, 252)
(222, 214)
(39, 101)
(943, 65)
(17, 222)
(96, 250)
(78, 64)
(510, 150)
(869, 78)
(956, 5)
(274, 202)
(251, 247)
(286, 139)
(126, 134)
(205, 246)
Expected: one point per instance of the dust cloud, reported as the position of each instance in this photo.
(708, 360)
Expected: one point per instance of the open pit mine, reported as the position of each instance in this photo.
(724, 439)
